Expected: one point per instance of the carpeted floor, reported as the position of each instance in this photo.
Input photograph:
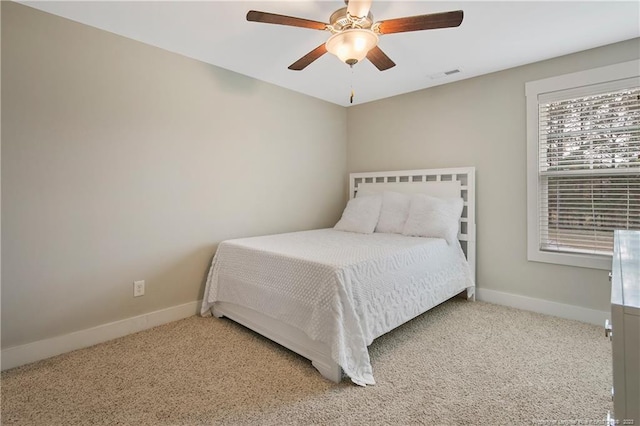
(463, 363)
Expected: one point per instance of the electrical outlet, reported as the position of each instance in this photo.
(138, 288)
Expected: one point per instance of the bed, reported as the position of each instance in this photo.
(327, 294)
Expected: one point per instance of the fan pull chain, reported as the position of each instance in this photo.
(352, 93)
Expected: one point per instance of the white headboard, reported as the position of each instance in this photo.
(441, 189)
(459, 182)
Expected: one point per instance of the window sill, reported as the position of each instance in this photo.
(569, 259)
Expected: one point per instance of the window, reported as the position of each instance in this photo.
(583, 154)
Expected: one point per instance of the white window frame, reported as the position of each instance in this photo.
(533, 90)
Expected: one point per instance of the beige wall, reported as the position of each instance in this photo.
(481, 122)
(0, 179)
(122, 162)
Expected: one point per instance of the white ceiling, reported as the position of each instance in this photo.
(493, 36)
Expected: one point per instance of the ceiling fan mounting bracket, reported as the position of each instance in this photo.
(340, 20)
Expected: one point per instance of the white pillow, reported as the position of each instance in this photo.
(364, 193)
(360, 215)
(433, 217)
(394, 212)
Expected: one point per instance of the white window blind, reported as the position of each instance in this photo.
(588, 167)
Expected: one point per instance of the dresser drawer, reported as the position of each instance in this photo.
(625, 326)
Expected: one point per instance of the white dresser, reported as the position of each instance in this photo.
(625, 327)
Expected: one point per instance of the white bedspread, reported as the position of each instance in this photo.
(341, 288)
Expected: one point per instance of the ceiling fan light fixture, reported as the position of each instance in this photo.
(352, 45)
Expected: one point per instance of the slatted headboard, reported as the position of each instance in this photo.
(466, 176)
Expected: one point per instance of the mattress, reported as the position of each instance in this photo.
(340, 288)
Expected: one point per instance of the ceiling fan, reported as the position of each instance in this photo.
(355, 34)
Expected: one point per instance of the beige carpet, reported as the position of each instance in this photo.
(462, 363)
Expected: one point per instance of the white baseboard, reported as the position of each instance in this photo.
(591, 316)
(42, 349)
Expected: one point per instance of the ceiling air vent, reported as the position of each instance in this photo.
(443, 74)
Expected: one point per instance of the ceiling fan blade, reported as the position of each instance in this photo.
(421, 22)
(302, 63)
(378, 58)
(272, 18)
(358, 8)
